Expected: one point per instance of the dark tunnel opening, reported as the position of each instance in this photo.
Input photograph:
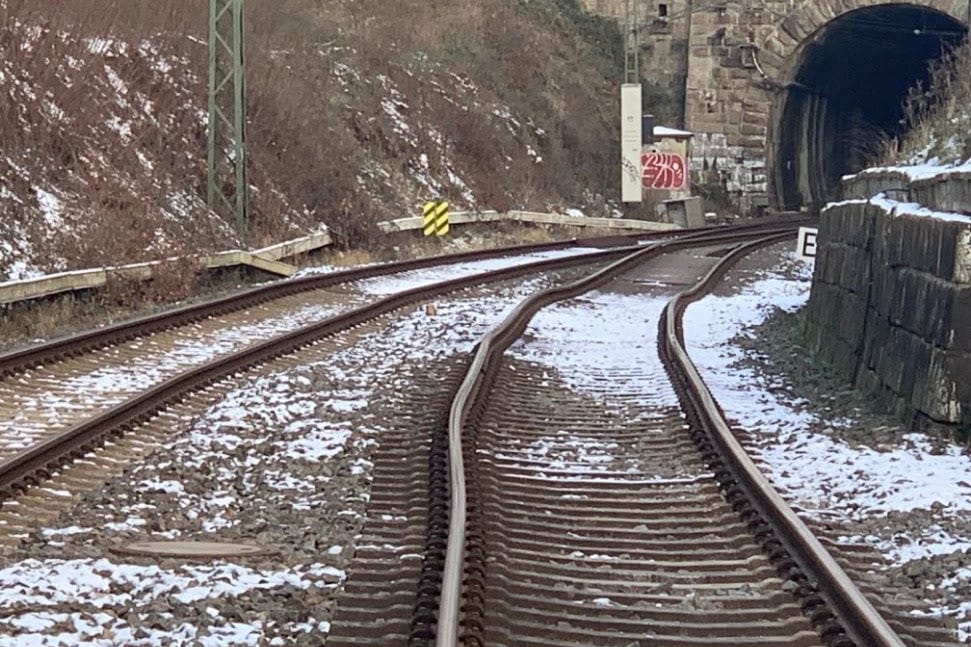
(849, 92)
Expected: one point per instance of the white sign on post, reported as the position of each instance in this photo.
(631, 139)
(806, 245)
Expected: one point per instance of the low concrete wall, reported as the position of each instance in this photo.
(891, 307)
(473, 217)
(266, 260)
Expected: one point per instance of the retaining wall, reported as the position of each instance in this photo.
(477, 217)
(269, 259)
(266, 260)
(891, 306)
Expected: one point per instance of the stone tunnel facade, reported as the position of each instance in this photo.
(733, 66)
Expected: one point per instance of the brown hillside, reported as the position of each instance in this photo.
(358, 111)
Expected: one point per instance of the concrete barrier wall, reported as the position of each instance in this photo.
(266, 260)
(891, 307)
(479, 217)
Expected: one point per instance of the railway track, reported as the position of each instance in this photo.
(627, 513)
(45, 388)
(251, 459)
(589, 510)
(50, 352)
(390, 602)
(65, 399)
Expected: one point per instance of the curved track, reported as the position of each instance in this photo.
(392, 590)
(68, 432)
(59, 438)
(552, 540)
(652, 542)
(46, 389)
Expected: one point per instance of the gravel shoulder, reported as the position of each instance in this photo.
(855, 472)
(284, 460)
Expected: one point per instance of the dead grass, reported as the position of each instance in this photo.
(95, 122)
(34, 320)
(939, 116)
(322, 146)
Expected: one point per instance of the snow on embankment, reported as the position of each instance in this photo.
(80, 143)
(102, 151)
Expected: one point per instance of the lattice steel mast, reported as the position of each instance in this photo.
(226, 167)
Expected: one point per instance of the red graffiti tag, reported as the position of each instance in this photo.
(663, 171)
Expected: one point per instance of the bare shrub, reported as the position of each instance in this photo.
(170, 280)
(322, 148)
(938, 116)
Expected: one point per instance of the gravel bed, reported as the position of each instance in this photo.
(283, 461)
(927, 541)
(854, 470)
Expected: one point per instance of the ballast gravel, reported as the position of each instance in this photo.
(858, 474)
(283, 462)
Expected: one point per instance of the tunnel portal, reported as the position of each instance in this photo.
(847, 95)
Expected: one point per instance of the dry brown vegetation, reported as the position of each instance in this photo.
(939, 115)
(358, 111)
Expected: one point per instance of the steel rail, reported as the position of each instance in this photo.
(485, 363)
(858, 618)
(18, 361)
(37, 462)
(24, 359)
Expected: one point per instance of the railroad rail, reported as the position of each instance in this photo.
(760, 546)
(20, 360)
(390, 600)
(856, 614)
(458, 404)
(504, 554)
(38, 462)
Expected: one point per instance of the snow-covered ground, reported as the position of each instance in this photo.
(31, 418)
(825, 476)
(602, 340)
(387, 285)
(282, 460)
(601, 346)
(299, 441)
(31, 586)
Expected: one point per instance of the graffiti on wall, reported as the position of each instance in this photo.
(664, 170)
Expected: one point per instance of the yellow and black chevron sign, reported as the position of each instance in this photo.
(436, 218)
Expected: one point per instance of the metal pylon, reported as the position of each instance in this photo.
(632, 44)
(226, 168)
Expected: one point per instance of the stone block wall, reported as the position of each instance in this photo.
(891, 309)
(729, 65)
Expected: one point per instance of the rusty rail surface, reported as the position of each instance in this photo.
(855, 616)
(21, 360)
(858, 618)
(36, 463)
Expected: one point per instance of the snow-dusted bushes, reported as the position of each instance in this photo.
(96, 141)
(939, 115)
(357, 112)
